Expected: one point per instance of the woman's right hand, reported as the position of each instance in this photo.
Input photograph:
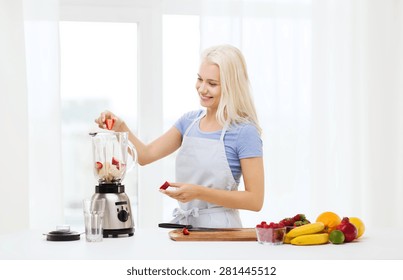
(118, 124)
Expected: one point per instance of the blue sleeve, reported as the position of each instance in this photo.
(249, 142)
(183, 122)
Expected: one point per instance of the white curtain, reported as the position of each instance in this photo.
(29, 67)
(326, 82)
(14, 198)
(30, 139)
(41, 23)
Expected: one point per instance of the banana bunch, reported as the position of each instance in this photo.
(309, 234)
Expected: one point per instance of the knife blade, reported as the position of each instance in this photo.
(192, 228)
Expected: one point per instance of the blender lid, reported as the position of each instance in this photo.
(62, 235)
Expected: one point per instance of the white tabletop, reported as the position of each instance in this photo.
(155, 244)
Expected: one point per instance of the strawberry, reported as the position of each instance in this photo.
(115, 161)
(99, 165)
(287, 222)
(109, 123)
(301, 223)
(299, 217)
(164, 186)
(264, 224)
(185, 231)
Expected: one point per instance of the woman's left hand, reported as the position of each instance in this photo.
(182, 192)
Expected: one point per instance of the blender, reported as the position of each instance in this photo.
(111, 152)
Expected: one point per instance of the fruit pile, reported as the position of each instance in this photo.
(328, 227)
(296, 221)
(341, 230)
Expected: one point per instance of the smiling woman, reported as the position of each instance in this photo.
(210, 164)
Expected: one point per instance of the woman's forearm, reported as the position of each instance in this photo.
(157, 149)
(246, 200)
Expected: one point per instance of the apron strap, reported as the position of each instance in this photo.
(224, 129)
(194, 121)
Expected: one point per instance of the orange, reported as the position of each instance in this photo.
(358, 223)
(330, 219)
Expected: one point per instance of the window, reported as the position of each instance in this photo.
(98, 72)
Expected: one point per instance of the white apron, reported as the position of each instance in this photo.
(203, 162)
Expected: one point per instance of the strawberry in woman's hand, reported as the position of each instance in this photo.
(109, 123)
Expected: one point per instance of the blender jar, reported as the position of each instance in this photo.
(110, 156)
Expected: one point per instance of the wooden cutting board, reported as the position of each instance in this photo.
(244, 234)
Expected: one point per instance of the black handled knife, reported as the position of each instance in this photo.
(192, 228)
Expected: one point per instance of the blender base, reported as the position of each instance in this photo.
(114, 233)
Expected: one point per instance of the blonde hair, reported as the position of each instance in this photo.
(236, 103)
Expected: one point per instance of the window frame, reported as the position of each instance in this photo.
(148, 17)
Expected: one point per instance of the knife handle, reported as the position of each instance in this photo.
(172, 225)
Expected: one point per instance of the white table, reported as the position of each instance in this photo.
(32, 245)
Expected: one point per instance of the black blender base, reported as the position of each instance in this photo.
(114, 233)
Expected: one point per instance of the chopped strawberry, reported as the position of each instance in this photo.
(109, 123)
(99, 165)
(185, 231)
(164, 186)
(115, 161)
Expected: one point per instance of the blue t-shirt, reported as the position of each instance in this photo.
(240, 140)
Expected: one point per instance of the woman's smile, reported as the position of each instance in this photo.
(205, 97)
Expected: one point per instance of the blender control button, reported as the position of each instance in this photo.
(123, 215)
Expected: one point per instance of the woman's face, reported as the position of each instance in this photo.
(208, 85)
